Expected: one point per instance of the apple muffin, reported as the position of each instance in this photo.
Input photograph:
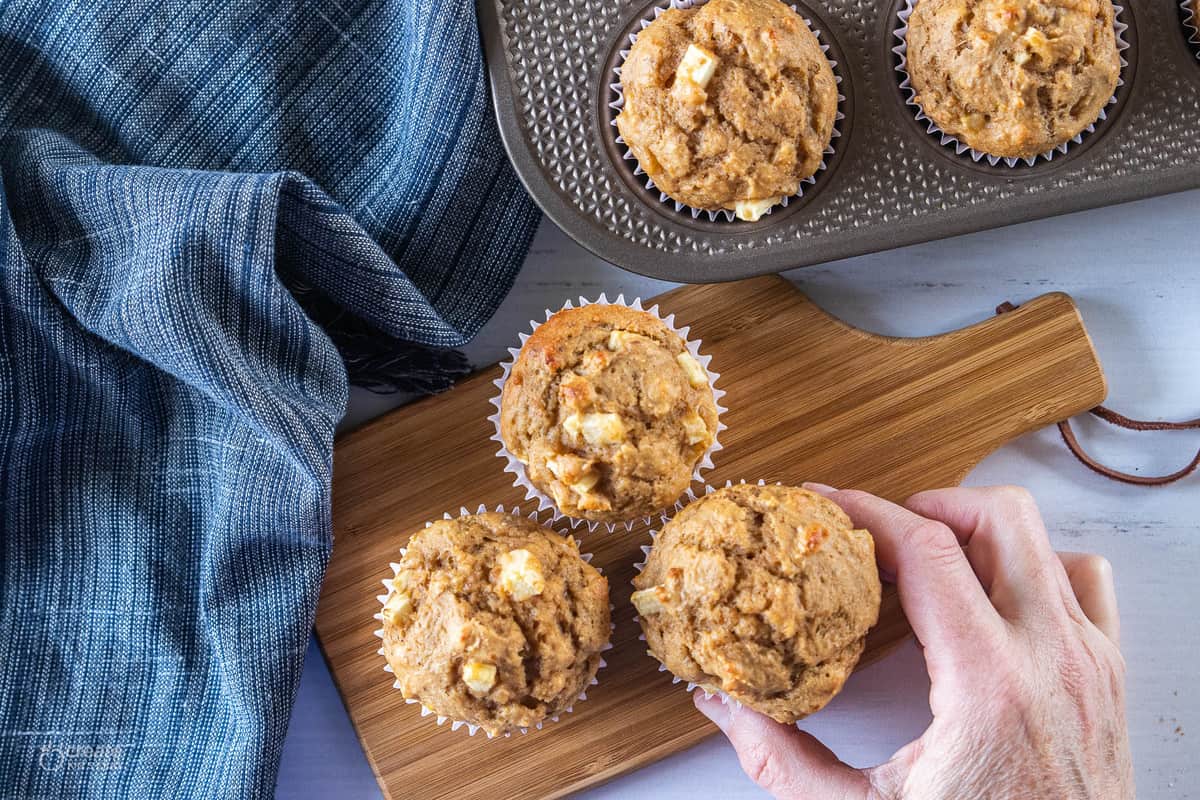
(608, 412)
(729, 104)
(494, 620)
(765, 593)
(1013, 78)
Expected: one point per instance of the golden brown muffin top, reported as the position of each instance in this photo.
(728, 103)
(494, 620)
(608, 411)
(1013, 78)
(763, 592)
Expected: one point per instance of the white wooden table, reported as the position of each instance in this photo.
(1135, 272)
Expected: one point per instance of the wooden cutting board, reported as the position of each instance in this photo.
(809, 397)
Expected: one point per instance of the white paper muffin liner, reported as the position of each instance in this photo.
(901, 50)
(517, 468)
(1191, 23)
(690, 686)
(619, 103)
(455, 724)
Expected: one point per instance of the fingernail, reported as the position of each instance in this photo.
(712, 707)
(819, 488)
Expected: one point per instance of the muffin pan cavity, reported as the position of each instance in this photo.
(1126, 37)
(641, 184)
(888, 183)
(1191, 24)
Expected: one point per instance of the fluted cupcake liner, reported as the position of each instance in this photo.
(455, 724)
(960, 148)
(628, 155)
(517, 467)
(1191, 24)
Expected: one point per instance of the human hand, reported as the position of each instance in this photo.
(1021, 645)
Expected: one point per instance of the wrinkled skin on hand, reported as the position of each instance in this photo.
(1021, 644)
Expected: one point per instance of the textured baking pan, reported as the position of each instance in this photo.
(889, 182)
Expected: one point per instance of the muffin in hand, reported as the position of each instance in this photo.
(495, 621)
(765, 593)
(608, 411)
(1013, 78)
(728, 105)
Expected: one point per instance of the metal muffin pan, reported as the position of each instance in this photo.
(889, 184)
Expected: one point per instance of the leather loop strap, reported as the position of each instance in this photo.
(1107, 415)
(1122, 421)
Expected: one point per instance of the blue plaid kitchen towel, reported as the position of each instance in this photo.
(205, 209)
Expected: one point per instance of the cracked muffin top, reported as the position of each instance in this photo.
(1013, 78)
(608, 411)
(765, 593)
(728, 105)
(494, 620)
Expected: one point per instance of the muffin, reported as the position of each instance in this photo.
(764, 593)
(1013, 78)
(495, 621)
(728, 105)
(608, 411)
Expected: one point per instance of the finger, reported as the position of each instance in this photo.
(1005, 541)
(1091, 578)
(785, 761)
(941, 596)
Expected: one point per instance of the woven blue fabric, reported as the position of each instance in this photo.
(175, 175)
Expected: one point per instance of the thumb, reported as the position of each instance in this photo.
(782, 759)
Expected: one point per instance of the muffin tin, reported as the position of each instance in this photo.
(889, 183)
